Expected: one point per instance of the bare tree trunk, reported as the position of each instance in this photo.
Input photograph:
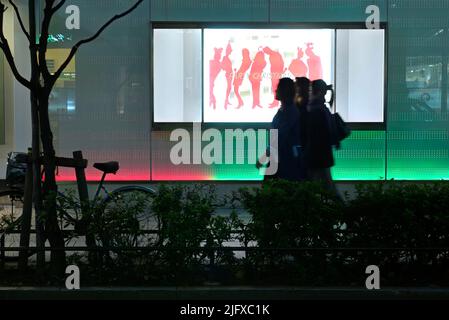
(37, 179)
(37, 185)
(52, 231)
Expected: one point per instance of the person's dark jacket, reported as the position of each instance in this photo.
(316, 136)
(287, 122)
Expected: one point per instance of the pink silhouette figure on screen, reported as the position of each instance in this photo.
(226, 65)
(277, 70)
(240, 75)
(255, 77)
(314, 62)
(214, 71)
(298, 68)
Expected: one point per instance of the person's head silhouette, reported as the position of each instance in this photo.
(302, 85)
(320, 89)
(286, 91)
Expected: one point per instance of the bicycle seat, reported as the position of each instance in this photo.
(107, 167)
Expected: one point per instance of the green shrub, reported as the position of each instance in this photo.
(400, 215)
(384, 224)
(294, 215)
(188, 223)
(112, 225)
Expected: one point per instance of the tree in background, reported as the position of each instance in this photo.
(40, 86)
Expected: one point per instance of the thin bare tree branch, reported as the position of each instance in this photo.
(49, 12)
(4, 45)
(43, 40)
(58, 6)
(95, 36)
(19, 17)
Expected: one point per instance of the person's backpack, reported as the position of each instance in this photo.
(339, 130)
(338, 127)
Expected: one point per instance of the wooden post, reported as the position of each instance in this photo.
(27, 213)
(84, 199)
(40, 232)
(81, 179)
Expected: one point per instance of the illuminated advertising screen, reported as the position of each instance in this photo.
(242, 68)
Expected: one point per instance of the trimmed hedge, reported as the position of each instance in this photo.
(298, 234)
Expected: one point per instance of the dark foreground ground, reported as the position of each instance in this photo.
(223, 293)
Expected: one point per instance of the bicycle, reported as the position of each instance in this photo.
(74, 219)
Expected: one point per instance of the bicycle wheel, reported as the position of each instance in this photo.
(128, 211)
(11, 206)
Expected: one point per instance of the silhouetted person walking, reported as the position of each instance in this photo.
(318, 151)
(286, 121)
(302, 86)
(302, 100)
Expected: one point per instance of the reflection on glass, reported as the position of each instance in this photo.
(424, 81)
(62, 98)
(360, 75)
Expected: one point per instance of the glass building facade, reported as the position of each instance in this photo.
(103, 103)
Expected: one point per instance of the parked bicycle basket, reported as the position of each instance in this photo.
(16, 169)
